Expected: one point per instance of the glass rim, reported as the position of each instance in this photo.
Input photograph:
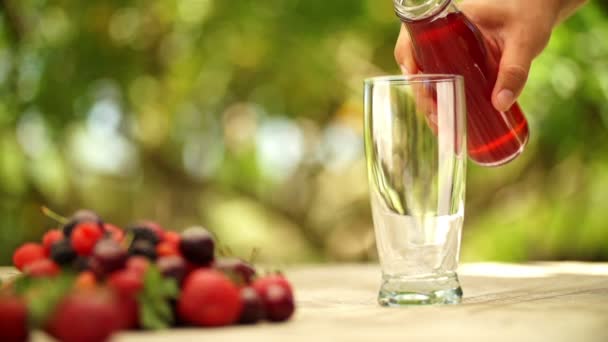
(412, 79)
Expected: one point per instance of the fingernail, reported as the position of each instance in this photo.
(404, 69)
(505, 99)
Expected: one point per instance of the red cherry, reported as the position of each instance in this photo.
(116, 233)
(253, 306)
(209, 298)
(42, 268)
(277, 295)
(13, 319)
(126, 283)
(166, 249)
(173, 266)
(27, 254)
(155, 227)
(278, 303)
(239, 270)
(50, 238)
(261, 284)
(85, 236)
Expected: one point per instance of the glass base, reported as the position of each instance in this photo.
(406, 291)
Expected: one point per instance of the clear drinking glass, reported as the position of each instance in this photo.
(415, 144)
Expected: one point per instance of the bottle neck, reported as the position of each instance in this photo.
(412, 10)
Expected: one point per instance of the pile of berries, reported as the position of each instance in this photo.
(91, 279)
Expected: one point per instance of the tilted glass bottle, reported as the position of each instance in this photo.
(445, 41)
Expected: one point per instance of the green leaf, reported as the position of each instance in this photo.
(154, 299)
(22, 284)
(150, 319)
(171, 288)
(43, 295)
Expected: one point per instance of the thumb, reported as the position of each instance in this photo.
(404, 53)
(512, 74)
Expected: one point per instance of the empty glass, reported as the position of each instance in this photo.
(415, 143)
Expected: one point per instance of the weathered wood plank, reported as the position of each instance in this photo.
(503, 302)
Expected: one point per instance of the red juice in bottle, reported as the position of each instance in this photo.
(445, 41)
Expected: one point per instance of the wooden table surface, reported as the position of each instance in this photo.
(502, 302)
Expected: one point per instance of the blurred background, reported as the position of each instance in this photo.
(246, 117)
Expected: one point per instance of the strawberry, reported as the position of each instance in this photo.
(166, 249)
(126, 283)
(13, 319)
(139, 264)
(209, 298)
(89, 316)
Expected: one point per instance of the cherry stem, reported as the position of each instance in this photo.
(54, 216)
(128, 240)
(255, 252)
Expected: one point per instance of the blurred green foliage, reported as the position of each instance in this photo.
(245, 117)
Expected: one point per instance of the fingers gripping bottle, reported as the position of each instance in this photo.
(445, 41)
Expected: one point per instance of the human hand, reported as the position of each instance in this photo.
(516, 30)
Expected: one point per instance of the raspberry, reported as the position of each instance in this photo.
(27, 254)
(172, 238)
(85, 236)
(41, 268)
(50, 238)
(208, 298)
(166, 249)
(86, 281)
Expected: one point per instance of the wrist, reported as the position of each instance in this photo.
(565, 8)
